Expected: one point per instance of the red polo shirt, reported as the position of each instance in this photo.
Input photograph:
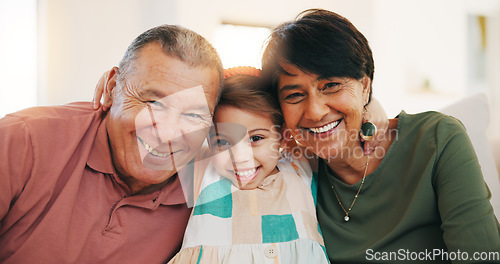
(61, 200)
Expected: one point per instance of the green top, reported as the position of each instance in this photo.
(427, 194)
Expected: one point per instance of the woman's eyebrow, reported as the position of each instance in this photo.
(296, 86)
(289, 87)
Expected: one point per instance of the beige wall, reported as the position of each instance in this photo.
(79, 40)
(18, 56)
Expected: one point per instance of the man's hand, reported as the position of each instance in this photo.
(99, 91)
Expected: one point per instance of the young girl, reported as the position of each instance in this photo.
(253, 207)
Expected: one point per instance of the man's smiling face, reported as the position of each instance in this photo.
(159, 117)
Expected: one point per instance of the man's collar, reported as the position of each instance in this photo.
(172, 193)
(100, 160)
(100, 155)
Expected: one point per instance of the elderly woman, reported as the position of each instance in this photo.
(419, 196)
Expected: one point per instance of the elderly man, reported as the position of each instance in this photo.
(86, 186)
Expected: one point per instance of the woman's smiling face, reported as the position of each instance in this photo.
(323, 113)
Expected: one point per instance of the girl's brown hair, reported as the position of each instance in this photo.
(249, 92)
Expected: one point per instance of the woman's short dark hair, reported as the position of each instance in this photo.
(248, 92)
(320, 42)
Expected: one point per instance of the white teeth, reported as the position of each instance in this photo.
(246, 173)
(324, 128)
(152, 150)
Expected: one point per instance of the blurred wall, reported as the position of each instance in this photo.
(79, 40)
(18, 55)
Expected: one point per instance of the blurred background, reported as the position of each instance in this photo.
(428, 53)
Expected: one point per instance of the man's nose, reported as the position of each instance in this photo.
(166, 126)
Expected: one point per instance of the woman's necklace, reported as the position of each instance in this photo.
(346, 217)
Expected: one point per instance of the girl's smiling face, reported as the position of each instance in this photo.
(244, 160)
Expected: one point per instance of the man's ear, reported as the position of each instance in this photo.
(109, 86)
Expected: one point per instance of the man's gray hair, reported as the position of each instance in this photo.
(176, 41)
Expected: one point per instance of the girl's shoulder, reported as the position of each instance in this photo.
(298, 167)
(303, 165)
(300, 155)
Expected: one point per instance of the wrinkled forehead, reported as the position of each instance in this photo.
(154, 71)
(185, 98)
(173, 95)
(176, 87)
(175, 78)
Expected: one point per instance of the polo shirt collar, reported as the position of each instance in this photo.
(100, 155)
(172, 193)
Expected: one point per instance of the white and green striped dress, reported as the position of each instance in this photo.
(274, 223)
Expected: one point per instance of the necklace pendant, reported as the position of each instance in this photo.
(346, 218)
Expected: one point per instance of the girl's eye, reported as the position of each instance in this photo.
(255, 138)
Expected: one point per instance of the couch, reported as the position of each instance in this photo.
(474, 113)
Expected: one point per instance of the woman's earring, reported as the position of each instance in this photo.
(368, 129)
